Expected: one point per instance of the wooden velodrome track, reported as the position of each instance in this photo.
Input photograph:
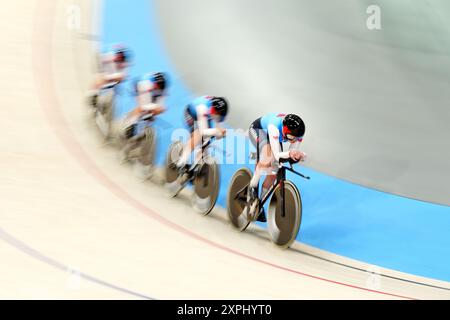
(75, 224)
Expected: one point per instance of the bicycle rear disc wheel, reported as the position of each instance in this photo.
(237, 207)
(106, 108)
(171, 174)
(147, 152)
(283, 230)
(206, 186)
(147, 148)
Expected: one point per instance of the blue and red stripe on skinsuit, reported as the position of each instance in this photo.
(192, 108)
(155, 92)
(275, 119)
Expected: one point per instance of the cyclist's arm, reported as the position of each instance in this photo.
(274, 136)
(295, 146)
(114, 71)
(296, 154)
(118, 76)
(115, 77)
(202, 122)
(152, 108)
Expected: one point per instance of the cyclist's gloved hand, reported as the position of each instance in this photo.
(296, 155)
(223, 132)
(304, 156)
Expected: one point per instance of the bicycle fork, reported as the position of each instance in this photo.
(282, 178)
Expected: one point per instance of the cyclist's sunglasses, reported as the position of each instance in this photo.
(120, 57)
(292, 138)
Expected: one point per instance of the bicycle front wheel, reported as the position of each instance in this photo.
(283, 229)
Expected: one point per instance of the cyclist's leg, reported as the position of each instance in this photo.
(129, 123)
(254, 137)
(268, 181)
(258, 137)
(265, 168)
(128, 131)
(94, 91)
(193, 141)
(190, 145)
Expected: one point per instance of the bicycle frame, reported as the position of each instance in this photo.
(141, 125)
(113, 86)
(202, 149)
(281, 178)
(197, 160)
(104, 91)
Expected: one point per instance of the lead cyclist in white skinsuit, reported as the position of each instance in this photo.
(268, 134)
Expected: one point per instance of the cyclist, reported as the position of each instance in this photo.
(150, 90)
(113, 69)
(268, 134)
(203, 117)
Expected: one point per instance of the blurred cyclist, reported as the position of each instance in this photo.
(203, 117)
(150, 90)
(113, 64)
(268, 134)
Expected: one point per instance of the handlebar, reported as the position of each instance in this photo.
(109, 85)
(289, 160)
(291, 169)
(207, 142)
(147, 117)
